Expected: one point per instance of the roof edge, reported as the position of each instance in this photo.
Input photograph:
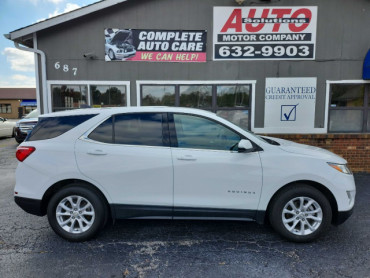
(16, 34)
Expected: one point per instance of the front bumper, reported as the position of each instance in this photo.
(342, 216)
(125, 55)
(32, 206)
(19, 135)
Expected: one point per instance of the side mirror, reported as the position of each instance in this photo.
(245, 146)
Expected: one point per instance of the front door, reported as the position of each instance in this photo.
(207, 173)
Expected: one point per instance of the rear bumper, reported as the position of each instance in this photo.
(342, 216)
(32, 206)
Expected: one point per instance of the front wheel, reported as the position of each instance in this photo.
(300, 213)
(111, 54)
(76, 213)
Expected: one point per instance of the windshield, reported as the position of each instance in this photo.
(33, 114)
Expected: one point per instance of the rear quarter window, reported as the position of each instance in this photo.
(51, 127)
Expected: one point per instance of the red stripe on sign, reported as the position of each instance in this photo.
(169, 56)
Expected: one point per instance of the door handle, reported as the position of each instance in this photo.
(96, 152)
(186, 158)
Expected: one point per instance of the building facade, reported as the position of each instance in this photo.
(289, 68)
(16, 102)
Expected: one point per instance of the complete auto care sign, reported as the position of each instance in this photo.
(264, 33)
(155, 45)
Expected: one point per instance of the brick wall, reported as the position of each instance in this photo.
(355, 148)
(15, 104)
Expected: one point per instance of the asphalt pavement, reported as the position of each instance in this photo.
(163, 248)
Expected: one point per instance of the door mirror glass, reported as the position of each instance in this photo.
(245, 146)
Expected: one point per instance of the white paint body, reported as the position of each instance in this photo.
(159, 176)
(6, 127)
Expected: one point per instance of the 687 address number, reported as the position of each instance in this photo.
(263, 51)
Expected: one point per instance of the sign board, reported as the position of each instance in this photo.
(264, 33)
(290, 104)
(155, 45)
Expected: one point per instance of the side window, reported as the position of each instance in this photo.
(139, 129)
(104, 132)
(200, 133)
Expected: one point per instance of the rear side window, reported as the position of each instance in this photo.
(51, 127)
(144, 129)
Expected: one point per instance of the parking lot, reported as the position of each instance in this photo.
(162, 248)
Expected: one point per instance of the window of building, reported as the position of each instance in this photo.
(108, 96)
(349, 108)
(229, 100)
(158, 95)
(5, 108)
(82, 94)
(196, 96)
(67, 97)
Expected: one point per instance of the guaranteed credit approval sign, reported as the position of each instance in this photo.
(264, 33)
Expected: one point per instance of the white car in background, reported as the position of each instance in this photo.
(6, 128)
(86, 166)
(25, 126)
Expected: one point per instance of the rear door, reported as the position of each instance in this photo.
(129, 155)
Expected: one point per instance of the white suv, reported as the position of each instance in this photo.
(86, 166)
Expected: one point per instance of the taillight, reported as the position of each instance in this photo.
(23, 152)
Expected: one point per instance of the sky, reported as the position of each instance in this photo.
(17, 67)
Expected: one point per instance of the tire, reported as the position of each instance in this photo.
(19, 140)
(300, 223)
(111, 54)
(81, 213)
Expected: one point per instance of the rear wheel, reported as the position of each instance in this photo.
(76, 213)
(300, 213)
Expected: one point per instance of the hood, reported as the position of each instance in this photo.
(312, 151)
(27, 120)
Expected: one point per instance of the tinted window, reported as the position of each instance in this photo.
(51, 127)
(200, 133)
(104, 132)
(139, 129)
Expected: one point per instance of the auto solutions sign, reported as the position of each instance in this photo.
(264, 33)
(155, 45)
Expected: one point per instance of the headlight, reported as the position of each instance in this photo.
(17, 124)
(341, 168)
